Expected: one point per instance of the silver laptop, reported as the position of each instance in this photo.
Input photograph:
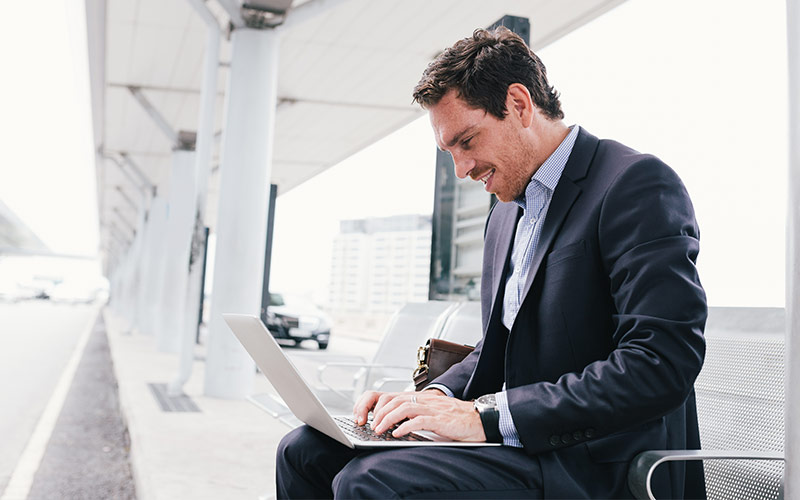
(298, 396)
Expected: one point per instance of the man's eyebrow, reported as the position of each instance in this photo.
(459, 135)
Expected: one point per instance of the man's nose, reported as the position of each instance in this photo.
(463, 165)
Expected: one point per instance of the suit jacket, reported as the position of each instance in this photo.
(601, 359)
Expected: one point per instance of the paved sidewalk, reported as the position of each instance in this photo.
(226, 450)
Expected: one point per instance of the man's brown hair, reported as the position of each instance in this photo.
(480, 69)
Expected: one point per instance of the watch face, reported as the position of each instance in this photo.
(485, 402)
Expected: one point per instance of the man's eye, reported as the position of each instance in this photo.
(465, 143)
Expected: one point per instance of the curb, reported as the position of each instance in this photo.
(144, 489)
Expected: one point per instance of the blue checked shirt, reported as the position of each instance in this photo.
(534, 204)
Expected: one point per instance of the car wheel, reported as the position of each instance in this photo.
(322, 345)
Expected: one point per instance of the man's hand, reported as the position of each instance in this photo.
(431, 411)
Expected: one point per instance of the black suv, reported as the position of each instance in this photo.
(295, 323)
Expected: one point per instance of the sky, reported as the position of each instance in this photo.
(701, 84)
(47, 174)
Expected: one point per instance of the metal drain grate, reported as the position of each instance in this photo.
(180, 403)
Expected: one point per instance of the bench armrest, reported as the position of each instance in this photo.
(642, 466)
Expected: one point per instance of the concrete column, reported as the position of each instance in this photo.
(125, 306)
(176, 252)
(241, 231)
(792, 444)
(132, 282)
(153, 265)
(142, 252)
(202, 169)
(137, 253)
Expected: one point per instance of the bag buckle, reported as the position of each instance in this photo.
(422, 356)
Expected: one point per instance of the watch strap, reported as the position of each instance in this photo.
(490, 418)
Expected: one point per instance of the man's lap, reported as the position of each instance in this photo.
(495, 472)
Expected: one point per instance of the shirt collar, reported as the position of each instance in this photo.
(550, 172)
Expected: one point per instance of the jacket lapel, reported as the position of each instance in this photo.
(509, 214)
(564, 196)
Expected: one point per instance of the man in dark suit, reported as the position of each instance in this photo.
(593, 313)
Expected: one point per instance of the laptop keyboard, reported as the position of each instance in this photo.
(365, 432)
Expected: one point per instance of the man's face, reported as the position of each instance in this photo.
(483, 147)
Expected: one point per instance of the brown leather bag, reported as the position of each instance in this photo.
(435, 358)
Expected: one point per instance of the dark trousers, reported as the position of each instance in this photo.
(312, 465)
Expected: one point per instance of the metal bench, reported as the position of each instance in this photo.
(740, 400)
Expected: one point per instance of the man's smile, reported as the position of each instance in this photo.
(486, 177)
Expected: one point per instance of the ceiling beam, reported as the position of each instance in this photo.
(126, 197)
(160, 88)
(139, 172)
(124, 169)
(180, 140)
(201, 7)
(234, 12)
(122, 218)
(115, 232)
(290, 101)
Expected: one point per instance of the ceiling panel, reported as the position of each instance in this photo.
(160, 13)
(122, 12)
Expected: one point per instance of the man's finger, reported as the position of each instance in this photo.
(390, 404)
(363, 406)
(418, 423)
(379, 409)
(399, 410)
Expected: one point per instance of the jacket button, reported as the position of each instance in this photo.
(554, 440)
(566, 438)
(590, 433)
(577, 435)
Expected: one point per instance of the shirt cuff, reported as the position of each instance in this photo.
(442, 388)
(507, 428)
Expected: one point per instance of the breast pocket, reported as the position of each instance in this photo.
(569, 252)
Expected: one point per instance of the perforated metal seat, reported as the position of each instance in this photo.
(464, 325)
(740, 400)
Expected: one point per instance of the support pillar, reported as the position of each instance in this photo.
(241, 233)
(138, 248)
(265, 299)
(792, 438)
(154, 266)
(127, 236)
(178, 240)
(143, 258)
(202, 169)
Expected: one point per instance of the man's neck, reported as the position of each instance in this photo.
(550, 135)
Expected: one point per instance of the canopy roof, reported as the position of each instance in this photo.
(345, 77)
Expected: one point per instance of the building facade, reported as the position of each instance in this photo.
(379, 264)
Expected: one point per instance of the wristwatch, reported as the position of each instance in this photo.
(486, 406)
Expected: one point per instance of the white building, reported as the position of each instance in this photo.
(379, 264)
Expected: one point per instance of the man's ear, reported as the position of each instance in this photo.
(520, 104)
